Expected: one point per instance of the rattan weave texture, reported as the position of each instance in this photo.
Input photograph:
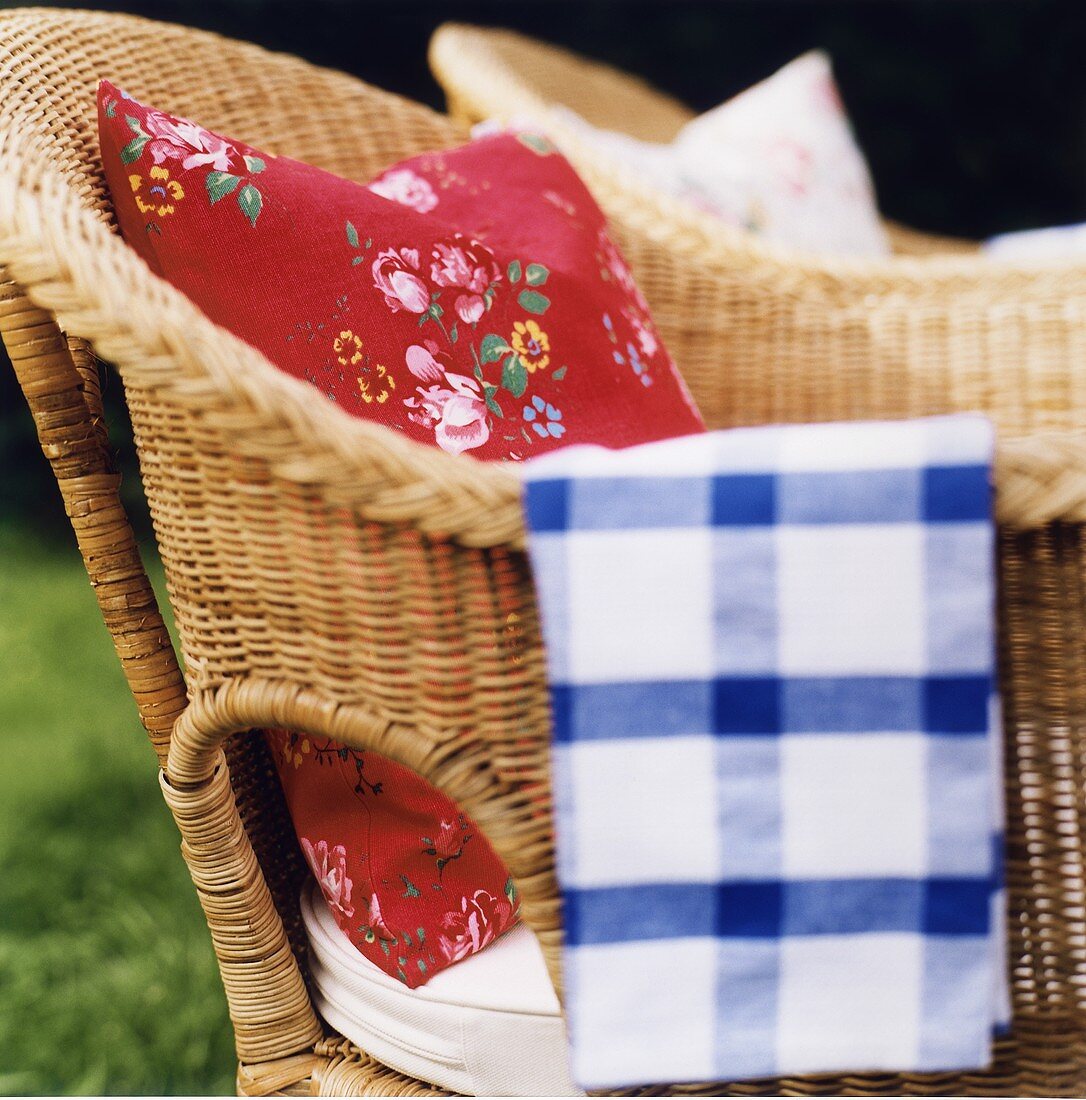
(326, 574)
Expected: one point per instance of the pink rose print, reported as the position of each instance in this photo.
(427, 362)
(395, 276)
(482, 918)
(616, 269)
(185, 141)
(561, 203)
(643, 330)
(407, 188)
(467, 265)
(376, 922)
(452, 837)
(447, 843)
(457, 414)
(794, 163)
(615, 264)
(330, 870)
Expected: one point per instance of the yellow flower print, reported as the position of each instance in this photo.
(348, 348)
(375, 384)
(530, 342)
(157, 193)
(294, 748)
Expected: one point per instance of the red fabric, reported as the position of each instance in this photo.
(407, 876)
(471, 299)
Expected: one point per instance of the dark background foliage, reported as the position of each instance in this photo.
(972, 112)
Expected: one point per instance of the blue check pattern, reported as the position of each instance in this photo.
(776, 762)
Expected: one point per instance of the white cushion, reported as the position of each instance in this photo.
(491, 1025)
(780, 159)
(1059, 242)
(653, 162)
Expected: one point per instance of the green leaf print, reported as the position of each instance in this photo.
(352, 235)
(219, 185)
(254, 164)
(514, 271)
(493, 347)
(251, 202)
(514, 376)
(533, 301)
(537, 143)
(536, 275)
(133, 149)
(491, 403)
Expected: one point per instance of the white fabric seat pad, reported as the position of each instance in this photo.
(490, 1025)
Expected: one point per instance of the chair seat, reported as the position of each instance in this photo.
(491, 1025)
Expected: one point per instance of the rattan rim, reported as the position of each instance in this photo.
(1040, 479)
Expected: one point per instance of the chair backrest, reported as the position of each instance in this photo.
(49, 149)
(54, 60)
(545, 74)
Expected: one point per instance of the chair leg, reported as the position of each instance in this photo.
(269, 1004)
(58, 376)
(268, 1001)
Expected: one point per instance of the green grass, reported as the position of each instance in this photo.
(107, 979)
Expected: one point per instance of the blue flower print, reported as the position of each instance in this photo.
(633, 360)
(544, 418)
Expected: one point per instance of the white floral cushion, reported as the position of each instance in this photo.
(779, 159)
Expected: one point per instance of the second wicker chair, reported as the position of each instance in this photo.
(769, 335)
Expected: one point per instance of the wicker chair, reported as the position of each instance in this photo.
(798, 334)
(329, 575)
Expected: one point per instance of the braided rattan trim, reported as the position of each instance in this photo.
(458, 762)
(371, 469)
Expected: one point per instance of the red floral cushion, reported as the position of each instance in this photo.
(407, 876)
(469, 298)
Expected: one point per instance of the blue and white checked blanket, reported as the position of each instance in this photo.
(776, 768)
